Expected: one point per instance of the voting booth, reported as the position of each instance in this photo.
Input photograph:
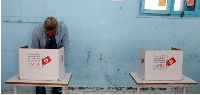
(160, 65)
(41, 64)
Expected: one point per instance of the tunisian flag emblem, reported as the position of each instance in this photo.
(46, 60)
(171, 61)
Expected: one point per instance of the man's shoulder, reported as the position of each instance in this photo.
(61, 25)
(38, 28)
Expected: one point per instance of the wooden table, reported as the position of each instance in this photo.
(183, 83)
(16, 82)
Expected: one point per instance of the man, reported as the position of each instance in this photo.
(50, 35)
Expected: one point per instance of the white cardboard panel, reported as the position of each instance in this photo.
(41, 64)
(160, 65)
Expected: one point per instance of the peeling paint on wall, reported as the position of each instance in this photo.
(88, 56)
(192, 55)
(3, 25)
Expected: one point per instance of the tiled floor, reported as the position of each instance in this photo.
(106, 92)
(113, 90)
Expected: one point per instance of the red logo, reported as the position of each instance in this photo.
(141, 60)
(171, 61)
(46, 60)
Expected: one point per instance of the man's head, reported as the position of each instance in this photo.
(50, 25)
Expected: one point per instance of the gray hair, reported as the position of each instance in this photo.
(50, 23)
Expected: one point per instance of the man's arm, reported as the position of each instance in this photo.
(35, 40)
(66, 44)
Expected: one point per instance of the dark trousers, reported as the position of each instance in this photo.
(42, 90)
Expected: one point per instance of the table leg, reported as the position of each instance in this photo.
(16, 89)
(138, 89)
(63, 89)
(134, 89)
(184, 89)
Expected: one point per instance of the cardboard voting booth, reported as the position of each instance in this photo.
(41, 64)
(160, 65)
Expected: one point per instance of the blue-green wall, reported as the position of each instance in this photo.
(105, 36)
